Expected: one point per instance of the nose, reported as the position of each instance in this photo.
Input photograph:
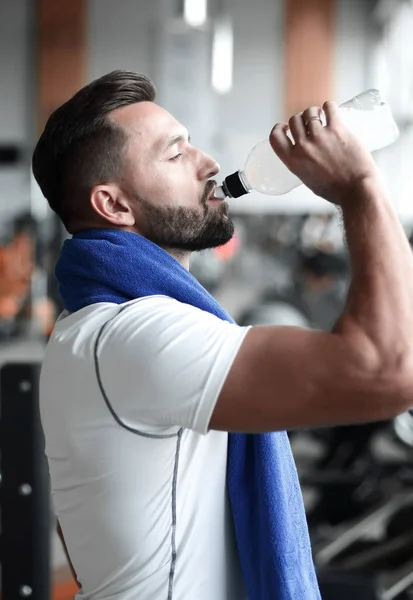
(208, 167)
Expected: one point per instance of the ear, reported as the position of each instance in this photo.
(109, 204)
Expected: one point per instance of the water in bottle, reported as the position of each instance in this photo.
(366, 115)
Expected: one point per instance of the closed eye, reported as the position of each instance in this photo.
(177, 157)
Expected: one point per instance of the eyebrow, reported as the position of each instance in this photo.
(177, 138)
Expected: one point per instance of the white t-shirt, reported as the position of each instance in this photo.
(143, 509)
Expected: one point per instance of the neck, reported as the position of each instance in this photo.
(180, 255)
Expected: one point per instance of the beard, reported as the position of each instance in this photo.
(187, 229)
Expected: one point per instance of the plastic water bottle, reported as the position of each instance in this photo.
(366, 115)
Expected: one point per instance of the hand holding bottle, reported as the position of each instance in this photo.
(330, 160)
(366, 115)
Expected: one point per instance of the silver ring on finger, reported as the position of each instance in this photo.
(306, 124)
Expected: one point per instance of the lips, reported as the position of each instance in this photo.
(211, 195)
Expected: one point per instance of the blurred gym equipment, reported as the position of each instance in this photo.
(24, 490)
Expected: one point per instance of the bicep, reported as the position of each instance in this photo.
(286, 378)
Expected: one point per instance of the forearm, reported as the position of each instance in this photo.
(380, 298)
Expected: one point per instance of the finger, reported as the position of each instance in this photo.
(312, 120)
(280, 142)
(332, 113)
(297, 128)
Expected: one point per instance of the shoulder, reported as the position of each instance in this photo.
(156, 312)
(150, 310)
(153, 326)
(161, 362)
(154, 319)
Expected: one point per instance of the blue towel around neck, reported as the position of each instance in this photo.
(107, 265)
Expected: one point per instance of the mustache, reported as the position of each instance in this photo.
(210, 185)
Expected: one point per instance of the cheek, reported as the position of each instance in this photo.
(170, 184)
(149, 182)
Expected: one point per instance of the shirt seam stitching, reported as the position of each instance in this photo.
(174, 516)
(103, 392)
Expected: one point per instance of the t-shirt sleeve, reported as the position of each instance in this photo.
(163, 363)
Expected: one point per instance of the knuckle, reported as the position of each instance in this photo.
(293, 120)
(317, 133)
(274, 133)
(312, 111)
(278, 127)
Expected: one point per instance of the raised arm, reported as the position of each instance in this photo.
(284, 378)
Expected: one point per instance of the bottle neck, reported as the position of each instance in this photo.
(244, 181)
(236, 185)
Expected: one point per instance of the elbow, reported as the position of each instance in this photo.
(403, 390)
(384, 379)
(395, 377)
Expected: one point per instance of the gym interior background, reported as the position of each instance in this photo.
(228, 70)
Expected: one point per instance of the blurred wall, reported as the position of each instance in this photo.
(353, 42)
(16, 104)
(391, 69)
(354, 39)
(125, 34)
(249, 110)
(120, 35)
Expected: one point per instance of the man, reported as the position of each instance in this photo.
(136, 403)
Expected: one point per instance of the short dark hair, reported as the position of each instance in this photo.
(80, 147)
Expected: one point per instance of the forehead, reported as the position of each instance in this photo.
(151, 123)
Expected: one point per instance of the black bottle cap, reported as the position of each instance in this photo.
(233, 186)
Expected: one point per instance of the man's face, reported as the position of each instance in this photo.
(168, 182)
